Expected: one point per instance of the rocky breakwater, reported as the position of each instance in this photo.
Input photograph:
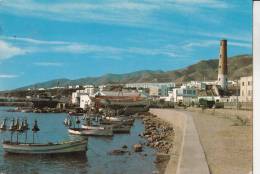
(159, 135)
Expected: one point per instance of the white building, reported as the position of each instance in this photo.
(184, 95)
(196, 84)
(149, 85)
(89, 90)
(246, 89)
(85, 101)
(116, 93)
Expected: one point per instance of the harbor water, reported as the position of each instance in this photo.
(97, 159)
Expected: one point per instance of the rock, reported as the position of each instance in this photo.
(138, 148)
(124, 146)
(117, 152)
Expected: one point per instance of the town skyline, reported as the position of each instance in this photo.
(114, 37)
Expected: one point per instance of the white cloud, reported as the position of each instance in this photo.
(241, 44)
(209, 43)
(200, 43)
(34, 41)
(48, 63)
(7, 51)
(205, 3)
(243, 37)
(78, 48)
(8, 76)
(137, 13)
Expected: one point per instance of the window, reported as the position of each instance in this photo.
(243, 83)
(248, 83)
(184, 91)
(242, 93)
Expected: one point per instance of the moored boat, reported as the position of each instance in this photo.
(96, 127)
(22, 147)
(124, 122)
(49, 148)
(91, 132)
(121, 128)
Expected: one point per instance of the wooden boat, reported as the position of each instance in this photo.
(128, 122)
(49, 148)
(115, 118)
(96, 127)
(18, 147)
(119, 128)
(91, 132)
(75, 114)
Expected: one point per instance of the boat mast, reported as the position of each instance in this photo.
(3, 125)
(17, 125)
(77, 121)
(25, 128)
(12, 129)
(35, 128)
(20, 130)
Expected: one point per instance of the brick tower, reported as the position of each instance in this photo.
(222, 66)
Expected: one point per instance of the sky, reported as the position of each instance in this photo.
(49, 39)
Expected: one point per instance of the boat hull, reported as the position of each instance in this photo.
(92, 127)
(63, 148)
(121, 129)
(91, 132)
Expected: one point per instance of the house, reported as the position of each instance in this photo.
(184, 95)
(149, 85)
(85, 101)
(89, 90)
(246, 89)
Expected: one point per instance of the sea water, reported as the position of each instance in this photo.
(97, 159)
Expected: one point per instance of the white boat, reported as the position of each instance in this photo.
(95, 127)
(91, 132)
(115, 118)
(49, 148)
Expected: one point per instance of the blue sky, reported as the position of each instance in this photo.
(48, 39)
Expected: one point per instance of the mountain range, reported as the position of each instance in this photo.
(238, 66)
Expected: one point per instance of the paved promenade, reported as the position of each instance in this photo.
(191, 157)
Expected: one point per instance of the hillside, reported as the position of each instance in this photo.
(207, 69)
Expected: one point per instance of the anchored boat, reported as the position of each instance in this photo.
(18, 147)
(91, 132)
(49, 148)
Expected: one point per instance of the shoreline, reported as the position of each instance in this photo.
(224, 140)
(170, 166)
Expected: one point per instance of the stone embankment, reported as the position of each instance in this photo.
(159, 134)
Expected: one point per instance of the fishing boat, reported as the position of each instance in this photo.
(75, 114)
(96, 127)
(3, 126)
(19, 147)
(128, 122)
(91, 132)
(120, 128)
(48, 148)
